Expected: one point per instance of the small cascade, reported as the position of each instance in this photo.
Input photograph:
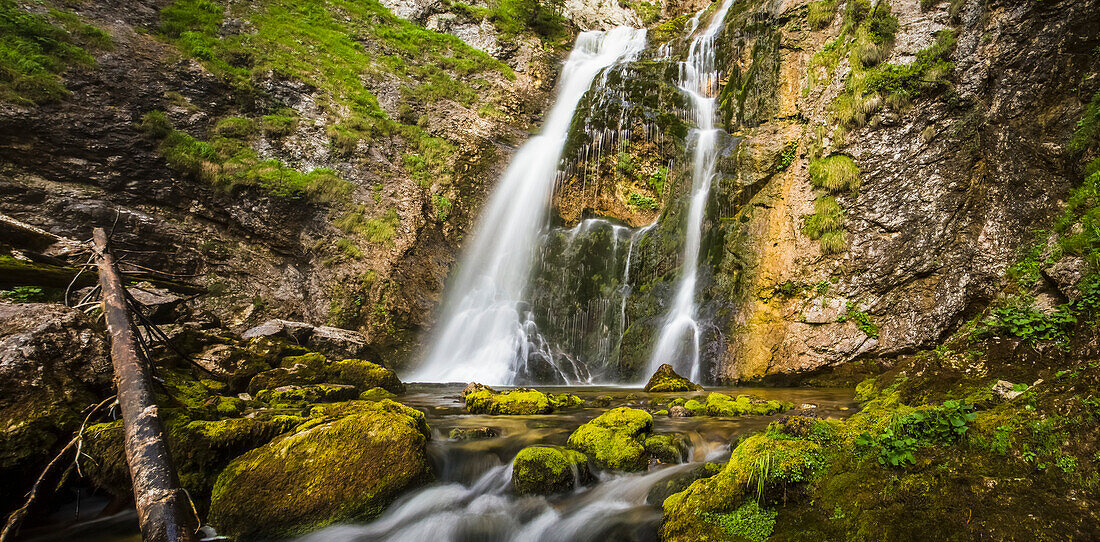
(678, 342)
(486, 332)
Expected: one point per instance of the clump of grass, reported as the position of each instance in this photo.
(280, 124)
(378, 230)
(821, 13)
(35, 49)
(835, 173)
(349, 248)
(235, 127)
(643, 202)
(442, 207)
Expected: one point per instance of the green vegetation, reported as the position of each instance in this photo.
(861, 319)
(228, 161)
(442, 207)
(514, 17)
(615, 439)
(836, 173)
(787, 156)
(898, 442)
(35, 49)
(548, 469)
(821, 13)
(643, 202)
(378, 230)
(833, 174)
(657, 180)
(750, 522)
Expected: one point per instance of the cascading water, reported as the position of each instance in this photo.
(484, 332)
(699, 81)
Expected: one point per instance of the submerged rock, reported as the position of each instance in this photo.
(545, 470)
(722, 405)
(346, 469)
(615, 439)
(666, 380)
(473, 433)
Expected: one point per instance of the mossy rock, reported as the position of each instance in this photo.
(722, 405)
(689, 514)
(300, 396)
(376, 394)
(545, 470)
(667, 448)
(200, 449)
(695, 407)
(299, 375)
(665, 379)
(615, 439)
(520, 401)
(679, 401)
(349, 469)
(677, 483)
(661, 413)
(564, 400)
(473, 433)
(364, 375)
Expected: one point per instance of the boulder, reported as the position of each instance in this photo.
(300, 396)
(665, 379)
(345, 469)
(53, 365)
(667, 448)
(679, 482)
(722, 405)
(339, 343)
(679, 412)
(160, 304)
(615, 439)
(299, 332)
(1005, 390)
(544, 470)
(520, 401)
(364, 375)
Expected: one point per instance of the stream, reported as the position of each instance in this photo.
(472, 497)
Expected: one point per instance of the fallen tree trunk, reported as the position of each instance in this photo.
(164, 511)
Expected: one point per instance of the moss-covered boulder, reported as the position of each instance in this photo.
(545, 470)
(698, 512)
(520, 401)
(722, 405)
(679, 482)
(376, 394)
(364, 375)
(615, 440)
(346, 469)
(564, 400)
(300, 396)
(666, 448)
(665, 379)
(695, 407)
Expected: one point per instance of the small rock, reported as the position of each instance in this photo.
(679, 412)
(602, 401)
(297, 331)
(474, 386)
(1003, 390)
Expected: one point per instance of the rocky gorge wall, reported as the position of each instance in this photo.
(886, 164)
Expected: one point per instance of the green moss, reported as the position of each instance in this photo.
(614, 439)
(667, 448)
(719, 404)
(344, 470)
(821, 13)
(750, 522)
(564, 400)
(696, 408)
(36, 49)
(364, 375)
(376, 394)
(668, 30)
(520, 401)
(548, 469)
(665, 379)
(835, 173)
(300, 396)
(861, 319)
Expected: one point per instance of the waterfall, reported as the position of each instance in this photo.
(699, 81)
(485, 332)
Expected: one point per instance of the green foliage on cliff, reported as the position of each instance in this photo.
(821, 13)
(861, 319)
(35, 49)
(229, 162)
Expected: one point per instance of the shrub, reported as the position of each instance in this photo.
(643, 202)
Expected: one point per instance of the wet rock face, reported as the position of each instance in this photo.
(53, 365)
(342, 470)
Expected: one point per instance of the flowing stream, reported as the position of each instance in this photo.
(473, 497)
(485, 333)
(678, 342)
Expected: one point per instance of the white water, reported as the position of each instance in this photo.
(699, 81)
(483, 334)
(487, 510)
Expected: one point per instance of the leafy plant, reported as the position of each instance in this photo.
(643, 202)
(786, 157)
(861, 319)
